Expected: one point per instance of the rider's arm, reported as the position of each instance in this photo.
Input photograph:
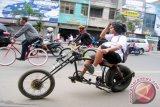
(119, 45)
(22, 30)
(105, 30)
(115, 48)
(77, 39)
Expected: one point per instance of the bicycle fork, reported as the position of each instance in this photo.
(71, 59)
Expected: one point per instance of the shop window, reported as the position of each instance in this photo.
(67, 7)
(84, 10)
(149, 20)
(112, 13)
(96, 12)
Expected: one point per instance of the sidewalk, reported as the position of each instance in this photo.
(153, 52)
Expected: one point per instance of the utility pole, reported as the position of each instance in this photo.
(118, 8)
(89, 7)
(144, 16)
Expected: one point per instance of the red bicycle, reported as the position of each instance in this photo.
(35, 56)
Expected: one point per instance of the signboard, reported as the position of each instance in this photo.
(130, 13)
(48, 10)
(136, 5)
(152, 38)
(157, 25)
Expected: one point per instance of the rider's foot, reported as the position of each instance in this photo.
(90, 68)
(77, 78)
(21, 59)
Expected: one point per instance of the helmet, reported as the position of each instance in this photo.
(50, 29)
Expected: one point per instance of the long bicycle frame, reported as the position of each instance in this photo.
(72, 59)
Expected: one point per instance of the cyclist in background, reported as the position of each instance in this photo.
(30, 33)
(84, 37)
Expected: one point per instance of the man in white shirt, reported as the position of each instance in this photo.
(110, 51)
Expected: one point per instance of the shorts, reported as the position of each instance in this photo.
(111, 57)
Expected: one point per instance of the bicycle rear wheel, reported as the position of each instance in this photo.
(56, 51)
(37, 57)
(88, 53)
(7, 56)
(65, 53)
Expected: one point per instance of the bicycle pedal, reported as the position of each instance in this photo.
(72, 79)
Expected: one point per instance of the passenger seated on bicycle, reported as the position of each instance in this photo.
(84, 37)
(48, 38)
(30, 33)
(112, 51)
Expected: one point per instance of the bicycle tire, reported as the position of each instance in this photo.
(56, 51)
(112, 77)
(35, 87)
(37, 57)
(7, 57)
(65, 53)
(89, 52)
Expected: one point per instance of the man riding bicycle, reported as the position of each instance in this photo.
(30, 33)
(84, 37)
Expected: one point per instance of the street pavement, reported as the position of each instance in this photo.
(67, 94)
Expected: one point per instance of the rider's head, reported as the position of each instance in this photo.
(50, 29)
(23, 20)
(117, 28)
(81, 28)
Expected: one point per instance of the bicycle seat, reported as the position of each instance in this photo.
(37, 42)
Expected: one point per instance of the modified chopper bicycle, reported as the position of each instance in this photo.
(37, 83)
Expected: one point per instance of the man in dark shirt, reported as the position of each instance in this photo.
(84, 37)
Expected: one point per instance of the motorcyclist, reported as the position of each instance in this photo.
(48, 38)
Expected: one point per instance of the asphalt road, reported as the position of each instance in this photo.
(67, 94)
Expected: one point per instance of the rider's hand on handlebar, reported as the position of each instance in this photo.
(12, 39)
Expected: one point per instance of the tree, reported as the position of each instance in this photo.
(120, 17)
(28, 11)
(39, 24)
(131, 26)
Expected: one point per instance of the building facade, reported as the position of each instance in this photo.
(63, 15)
(72, 14)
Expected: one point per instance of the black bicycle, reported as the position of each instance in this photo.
(37, 83)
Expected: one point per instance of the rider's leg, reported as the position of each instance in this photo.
(25, 45)
(83, 70)
(97, 59)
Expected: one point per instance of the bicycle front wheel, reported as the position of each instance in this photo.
(33, 85)
(7, 56)
(37, 57)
